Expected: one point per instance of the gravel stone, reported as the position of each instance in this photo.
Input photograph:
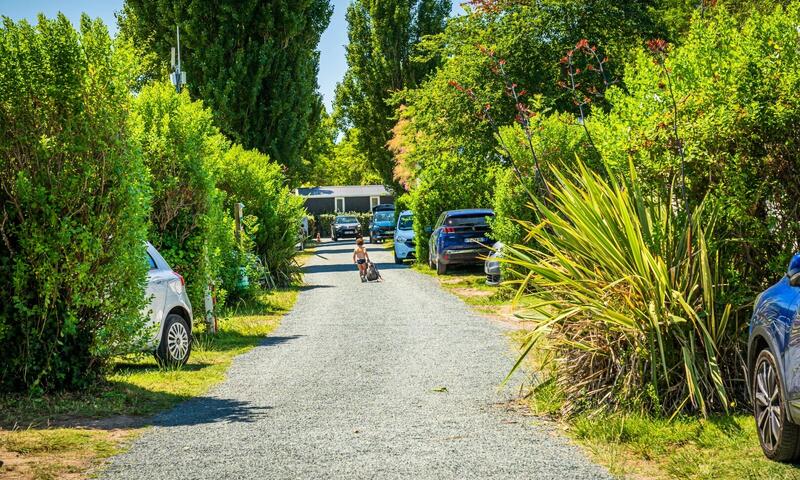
(397, 379)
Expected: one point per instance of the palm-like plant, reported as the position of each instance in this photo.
(624, 290)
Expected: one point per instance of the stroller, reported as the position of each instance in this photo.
(372, 274)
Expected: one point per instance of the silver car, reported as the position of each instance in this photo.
(169, 311)
(492, 265)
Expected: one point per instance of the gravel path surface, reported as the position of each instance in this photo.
(392, 380)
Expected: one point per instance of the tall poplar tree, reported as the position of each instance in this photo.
(382, 35)
(254, 62)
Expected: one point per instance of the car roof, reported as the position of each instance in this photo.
(469, 211)
(406, 212)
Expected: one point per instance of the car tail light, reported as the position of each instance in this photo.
(183, 282)
(449, 230)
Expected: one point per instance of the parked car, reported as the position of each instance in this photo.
(169, 310)
(383, 222)
(492, 265)
(345, 226)
(404, 246)
(774, 366)
(460, 237)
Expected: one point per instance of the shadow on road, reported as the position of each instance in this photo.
(349, 267)
(212, 410)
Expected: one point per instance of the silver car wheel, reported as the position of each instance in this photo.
(177, 341)
(768, 404)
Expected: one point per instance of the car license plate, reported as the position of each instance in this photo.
(476, 240)
(349, 231)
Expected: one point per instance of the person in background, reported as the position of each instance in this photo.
(360, 257)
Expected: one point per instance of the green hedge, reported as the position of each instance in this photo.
(251, 178)
(182, 149)
(74, 203)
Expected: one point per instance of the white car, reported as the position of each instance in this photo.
(169, 311)
(404, 246)
(492, 265)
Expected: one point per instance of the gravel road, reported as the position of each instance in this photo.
(381, 380)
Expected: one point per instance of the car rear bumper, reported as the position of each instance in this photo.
(470, 256)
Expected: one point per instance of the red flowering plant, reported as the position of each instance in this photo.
(586, 80)
(523, 116)
(659, 49)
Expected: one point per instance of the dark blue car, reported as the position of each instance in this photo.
(774, 366)
(460, 237)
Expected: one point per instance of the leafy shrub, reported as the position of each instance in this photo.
(251, 178)
(182, 148)
(626, 292)
(73, 205)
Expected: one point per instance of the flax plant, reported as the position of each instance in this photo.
(623, 290)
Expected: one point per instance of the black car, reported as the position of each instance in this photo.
(345, 226)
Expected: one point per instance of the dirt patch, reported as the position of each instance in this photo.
(75, 461)
(472, 292)
(506, 314)
(115, 422)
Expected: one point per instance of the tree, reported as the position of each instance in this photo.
(253, 62)
(382, 37)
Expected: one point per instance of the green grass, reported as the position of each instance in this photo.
(640, 446)
(469, 285)
(135, 387)
(138, 386)
(721, 447)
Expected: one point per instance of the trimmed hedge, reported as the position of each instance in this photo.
(74, 202)
(251, 178)
(182, 149)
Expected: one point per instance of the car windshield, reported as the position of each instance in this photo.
(346, 220)
(406, 222)
(386, 216)
(477, 220)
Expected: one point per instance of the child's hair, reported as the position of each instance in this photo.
(360, 242)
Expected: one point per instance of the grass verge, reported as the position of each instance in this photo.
(68, 435)
(636, 446)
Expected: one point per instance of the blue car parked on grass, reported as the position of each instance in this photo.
(774, 366)
(460, 237)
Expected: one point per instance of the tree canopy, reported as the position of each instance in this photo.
(382, 38)
(253, 62)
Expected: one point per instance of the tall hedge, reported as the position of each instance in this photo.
(251, 178)
(182, 149)
(73, 205)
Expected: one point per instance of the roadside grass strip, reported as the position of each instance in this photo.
(631, 445)
(68, 435)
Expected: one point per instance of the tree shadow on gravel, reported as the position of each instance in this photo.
(349, 267)
(204, 410)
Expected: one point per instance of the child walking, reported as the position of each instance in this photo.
(360, 257)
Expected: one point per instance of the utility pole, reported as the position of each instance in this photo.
(178, 76)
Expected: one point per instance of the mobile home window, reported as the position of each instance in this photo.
(339, 204)
(374, 202)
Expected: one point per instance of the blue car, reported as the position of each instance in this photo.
(383, 223)
(460, 237)
(773, 355)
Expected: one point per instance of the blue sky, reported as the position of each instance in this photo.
(332, 63)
